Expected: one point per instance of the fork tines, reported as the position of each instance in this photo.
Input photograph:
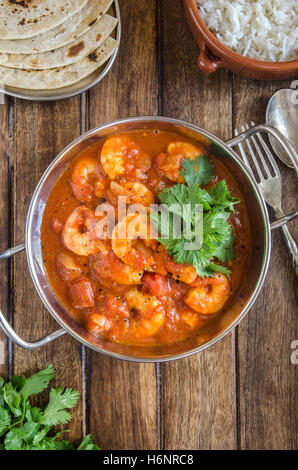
(260, 154)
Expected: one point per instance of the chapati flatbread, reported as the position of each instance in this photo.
(66, 55)
(20, 19)
(61, 35)
(61, 76)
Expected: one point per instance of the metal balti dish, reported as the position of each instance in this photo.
(77, 88)
(213, 331)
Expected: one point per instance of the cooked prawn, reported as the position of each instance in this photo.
(169, 164)
(84, 180)
(182, 272)
(67, 267)
(97, 322)
(192, 319)
(106, 265)
(135, 193)
(124, 240)
(146, 314)
(78, 234)
(110, 317)
(116, 153)
(165, 263)
(209, 294)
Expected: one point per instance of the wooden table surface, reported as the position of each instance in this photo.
(238, 394)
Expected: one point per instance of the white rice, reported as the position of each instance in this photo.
(259, 29)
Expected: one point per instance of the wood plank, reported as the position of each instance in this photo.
(4, 227)
(39, 132)
(123, 404)
(267, 409)
(123, 396)
(197, 406)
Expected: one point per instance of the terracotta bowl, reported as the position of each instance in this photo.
(214, 54)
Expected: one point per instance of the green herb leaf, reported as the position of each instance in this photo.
(87, 444)
(198, 171)
(33, 414)
(5, 419)
(12, 398)
(18, 438)
(60, 399)
(40, 435)
(23, 427)
(53, 443)
(218, 268)
(224, 249)
(35, 384)
(182, 200)
(62, 445)
(222, 197)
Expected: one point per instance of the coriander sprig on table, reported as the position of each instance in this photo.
(217, 204)
(24, 427)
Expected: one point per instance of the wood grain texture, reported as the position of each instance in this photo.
(197, 406)
(123, 404)
(266, 377)
(39, 132)
(4, 227)
(241, 392)
(123, 410)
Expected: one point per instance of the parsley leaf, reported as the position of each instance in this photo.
(191, 216)
(23, 427)
(12, 399)
(198, 171)
(19, 438)
(60, 399)
(87, 444)
(224, 249)
(36, 383)
(34, 414)
(5, 418)
(222, 197)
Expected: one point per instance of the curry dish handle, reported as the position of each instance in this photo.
(9, 331)
(288, 239)
(271, 130)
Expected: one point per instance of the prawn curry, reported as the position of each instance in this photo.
(111, 259)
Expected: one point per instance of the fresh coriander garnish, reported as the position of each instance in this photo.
(182, 200)
(198, 171)
(24, 427)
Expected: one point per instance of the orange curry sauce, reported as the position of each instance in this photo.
(90, 292)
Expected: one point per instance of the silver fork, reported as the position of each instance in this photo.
(269, 183)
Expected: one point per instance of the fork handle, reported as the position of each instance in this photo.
(291, 246)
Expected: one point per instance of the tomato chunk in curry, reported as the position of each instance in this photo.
(126, 289)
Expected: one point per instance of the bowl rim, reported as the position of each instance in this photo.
(225, 52)
(265, 258)
(69, 91)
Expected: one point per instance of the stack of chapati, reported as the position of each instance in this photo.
(47, 44)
